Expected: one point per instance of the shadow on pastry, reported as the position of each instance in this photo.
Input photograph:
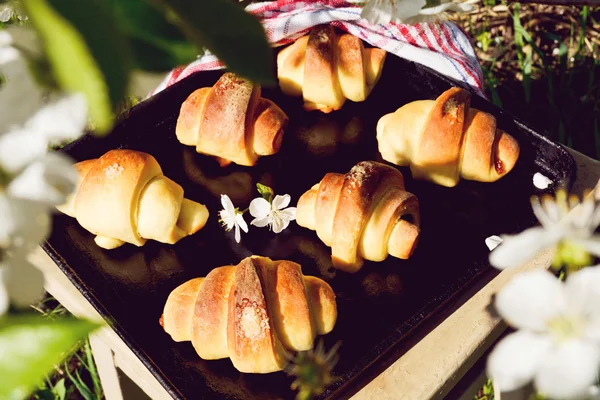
(239, 185)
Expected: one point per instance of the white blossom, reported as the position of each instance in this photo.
(562, 220)
(232, 218)
(493, 241)
(9, 12)
(20, 94)
(409, 11)
(24, 224)
(4, 300)
(274, 214)
(23, 282)
(557, 344)
(541, 181)
(386, 11)
(62, 119)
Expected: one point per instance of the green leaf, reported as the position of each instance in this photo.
(31, 345)
(59, 390)
(265, 191)
(237, 38)
(86, 51)
(157, 44)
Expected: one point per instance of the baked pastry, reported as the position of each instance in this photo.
(445, 140)
(364, 214)
(231, 122)
(253, 313)
(123, 197)
(326, 69)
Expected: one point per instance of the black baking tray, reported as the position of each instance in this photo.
(381, 309)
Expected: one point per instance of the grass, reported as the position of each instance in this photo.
(76, 377)
(540, 62)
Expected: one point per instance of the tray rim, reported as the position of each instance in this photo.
(447, 298)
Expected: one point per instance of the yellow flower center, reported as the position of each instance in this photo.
(572, 255)
(566, 327)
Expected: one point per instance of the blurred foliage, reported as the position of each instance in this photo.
(93, 46)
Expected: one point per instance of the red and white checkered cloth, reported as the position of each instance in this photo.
(439, 46)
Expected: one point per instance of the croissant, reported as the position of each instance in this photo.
(231, 122)
(253, 313)
(364, 214)
(123, 197)
(445, 139)
(326, 69)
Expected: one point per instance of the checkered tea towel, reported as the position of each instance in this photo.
(439, 46)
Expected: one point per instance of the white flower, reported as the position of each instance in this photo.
(563, 221)
(22, 281)
(493, 241)
(409, 11)
(9, 12)
(62, 119)
(557, 345)
(24, 224)
(276, 215)
(20, 94)
(232, 218)
(386, 11)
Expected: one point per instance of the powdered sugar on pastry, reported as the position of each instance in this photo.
(114, 170)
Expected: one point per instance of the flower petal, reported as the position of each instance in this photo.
(49, 180)
(25, 224)
(396, 11)
(6, 14)
(241, 222)
(281, 202)
(568, 370)
(24, 282)
(460, 7)
(21, 95)
(259, 208)
(227, 204)
(19, 148)
(582, 292)
(592, 244)
(4, 301)
(493, 241)
(530, 299)
(289, 213)
(63, 119)
(279, 224)
(227, 219)
(238, 235)
(261, 222)
(516, 358)
(516, 250)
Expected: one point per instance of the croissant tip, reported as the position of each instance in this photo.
(161, 321)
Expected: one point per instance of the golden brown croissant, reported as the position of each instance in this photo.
(123, 197)
(252, 313)
(445, 139)
(365, 214)
(231, 122)
(326, 69)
